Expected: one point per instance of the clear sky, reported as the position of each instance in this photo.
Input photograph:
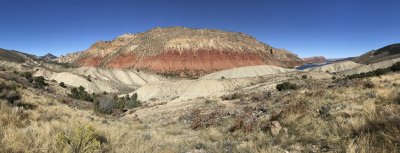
(332, 28)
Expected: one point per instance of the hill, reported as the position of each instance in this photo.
(315, 59)
(382, 54)
(48, 57)
(16, 56)
(335, 67)
(182, 51)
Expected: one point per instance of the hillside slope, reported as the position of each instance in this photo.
(248, 71)
(182, 51)
(97, 80)
(335, 67)
(15, 56)
(382, 54)
(370, 67)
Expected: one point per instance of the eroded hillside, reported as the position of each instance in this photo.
(182, 51)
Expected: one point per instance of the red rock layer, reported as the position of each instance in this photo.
(90, 61)
(185, 63)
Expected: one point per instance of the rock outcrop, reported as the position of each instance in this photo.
(182, 51)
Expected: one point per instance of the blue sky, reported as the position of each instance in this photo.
(332, 28)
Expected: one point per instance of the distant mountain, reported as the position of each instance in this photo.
(48, 57)
(382, 54)
(331, 60)
(182, 51)
(314, 60)
(16, 56)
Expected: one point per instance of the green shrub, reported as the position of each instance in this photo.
(27, 75)
(222, 78)
(89, 78)
(286, 86)
(104, 104)
(304, 77)
(62, 84)
(395, 67)
(82, 139)
(133, 102)
(9, 92)
(378, 72)
(81, 94)
(39, 82)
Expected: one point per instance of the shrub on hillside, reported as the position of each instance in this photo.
(286, 86)
(89, 78)
(82, 139)
(368, 84)
(132, 102)
(233, 96)
(62, 84)
(39, 82)
(105, 104)
(304, 77)
(8, 92)
(395, 67)
(378, 72)
(81, 94)
(27, 75)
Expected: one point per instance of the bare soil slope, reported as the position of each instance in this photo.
(335, 67)
(248, 71)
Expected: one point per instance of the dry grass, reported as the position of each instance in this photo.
(344, 118)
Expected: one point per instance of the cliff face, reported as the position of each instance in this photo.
(315, 59)
(182, 51)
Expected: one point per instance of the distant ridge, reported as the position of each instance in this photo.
(16, 56)
(48, 57)
(382, 54)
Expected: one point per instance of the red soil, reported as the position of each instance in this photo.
(90, 61)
